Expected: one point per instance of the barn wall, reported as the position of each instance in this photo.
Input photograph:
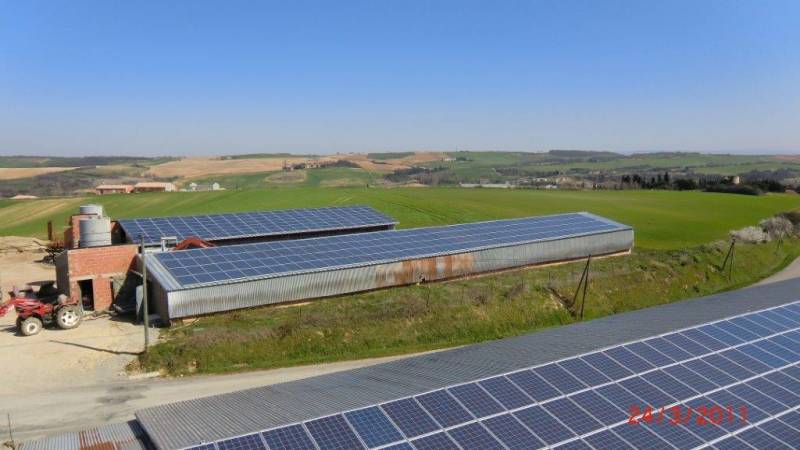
(204, 300)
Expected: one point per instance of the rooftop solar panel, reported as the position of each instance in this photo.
(254, 224)
(757, 406)
(234, 263)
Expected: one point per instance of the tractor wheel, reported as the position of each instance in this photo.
(30, 326)
(68, 317)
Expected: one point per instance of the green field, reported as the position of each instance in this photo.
(662, 219)
(324, 177)
(437, 315)
(475, 164)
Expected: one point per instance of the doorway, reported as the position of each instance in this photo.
(87, 294)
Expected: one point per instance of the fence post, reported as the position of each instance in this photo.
(145, 306)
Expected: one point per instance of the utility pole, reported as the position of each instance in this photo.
(145, 306)
(729, 257)
(585, 282)
(10, 434)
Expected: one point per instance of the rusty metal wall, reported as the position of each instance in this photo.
(204, 300)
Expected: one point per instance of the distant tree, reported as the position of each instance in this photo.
(685, 184)
(666, 178)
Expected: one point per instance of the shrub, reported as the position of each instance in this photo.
(731, 189)
(750, 235)
(777, 227)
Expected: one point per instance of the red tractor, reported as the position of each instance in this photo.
(34, 312)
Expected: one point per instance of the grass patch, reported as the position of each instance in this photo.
(662, 219)
(439, 315)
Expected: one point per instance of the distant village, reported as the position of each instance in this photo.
(153, 186)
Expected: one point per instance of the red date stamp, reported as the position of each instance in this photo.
(684, 415)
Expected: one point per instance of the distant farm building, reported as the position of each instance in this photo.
(23, 197)
(106, 189)
(154, 186)
(194, 187)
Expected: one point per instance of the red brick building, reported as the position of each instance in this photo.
(89, 273)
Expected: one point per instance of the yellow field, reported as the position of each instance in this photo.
(202, 167)
(26, 172)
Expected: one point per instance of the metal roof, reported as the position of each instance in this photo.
(236, 263)
(188, 423)
(120, 436)
(287, 222)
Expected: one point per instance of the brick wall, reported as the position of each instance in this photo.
(98, 264)
(110, 260)
(103, 295)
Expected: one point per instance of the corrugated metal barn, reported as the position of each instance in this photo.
(202, 281)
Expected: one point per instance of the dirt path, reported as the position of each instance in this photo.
(61, 407)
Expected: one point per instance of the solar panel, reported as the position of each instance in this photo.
(288, 438)
(410, 417)
(373, 426)
(438, 441)
(544, 426)
(254, 224)
(757, 406)
(474, 437)
(476, 400)
(505, 392)
(512, 433)
(333, 433)
(444, 408)
(249, 442)
(219, 265)
(533, 385)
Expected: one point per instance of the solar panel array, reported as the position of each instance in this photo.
(749, 361)
(268, 259)
(254, 224)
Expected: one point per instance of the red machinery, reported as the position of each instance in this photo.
(33, 313)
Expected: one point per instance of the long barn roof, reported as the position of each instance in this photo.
(289, 222)
(236, 263)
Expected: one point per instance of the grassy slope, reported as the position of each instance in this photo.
(662, 219)
(331, 176)
(437, 315)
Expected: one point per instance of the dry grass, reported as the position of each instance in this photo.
(390, 165)
(203, 167)
(293, 177)
(27, 172)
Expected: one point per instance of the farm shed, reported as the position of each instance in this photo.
(202, 281)
(236, 228)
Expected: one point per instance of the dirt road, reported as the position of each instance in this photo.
(61, 406)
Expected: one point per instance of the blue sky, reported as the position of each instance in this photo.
(199, 78)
